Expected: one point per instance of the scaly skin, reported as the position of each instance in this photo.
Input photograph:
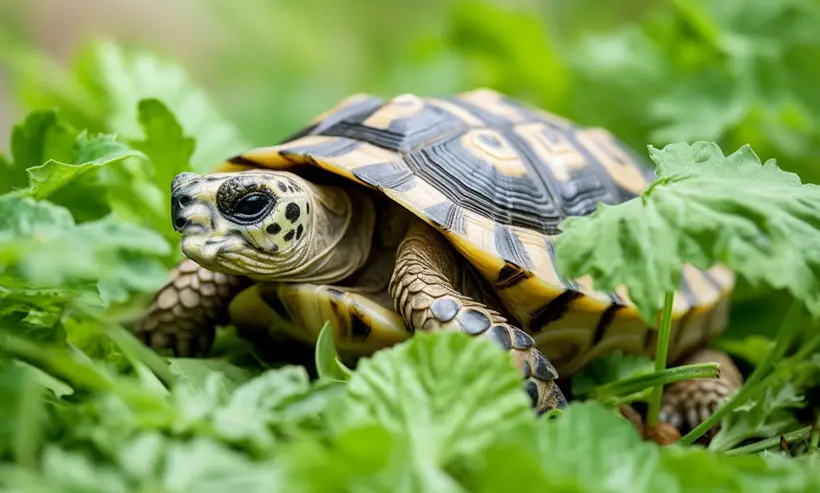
(688, 403)
(425, 289)
(185, 312)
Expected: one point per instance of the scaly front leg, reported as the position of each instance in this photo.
(185, 311)
(428, 290)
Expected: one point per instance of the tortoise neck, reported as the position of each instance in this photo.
(339, 238)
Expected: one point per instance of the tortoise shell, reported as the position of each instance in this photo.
(496, 177)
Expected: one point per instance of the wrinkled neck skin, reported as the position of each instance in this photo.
(337, 244)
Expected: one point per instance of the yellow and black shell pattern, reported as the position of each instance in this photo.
(496, 177)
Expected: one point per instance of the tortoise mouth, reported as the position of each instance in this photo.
(204, 249)
(229, 254)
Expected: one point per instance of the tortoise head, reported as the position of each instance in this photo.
(253, 223)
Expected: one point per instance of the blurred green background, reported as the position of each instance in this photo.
(653, 72)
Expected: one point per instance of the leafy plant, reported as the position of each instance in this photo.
(85, 239)
(703, 209)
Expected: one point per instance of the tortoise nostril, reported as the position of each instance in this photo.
(180, 222)
(182, 178)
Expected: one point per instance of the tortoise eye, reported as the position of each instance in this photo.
(252, 207)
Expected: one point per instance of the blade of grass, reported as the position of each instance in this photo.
(328, 364)
(784, 368)
(654, 412)
(136, 351)
(57, 363)
(770, 442)
(632, 385)
(754, 385)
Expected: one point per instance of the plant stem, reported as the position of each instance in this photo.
(785, 335)
(136, 351)
(769, 442)
(30, 420)
(60, 364)
(631, 385)
(653, 414)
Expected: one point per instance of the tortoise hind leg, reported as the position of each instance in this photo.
(690, 402)
(428, 286)
(185, 311)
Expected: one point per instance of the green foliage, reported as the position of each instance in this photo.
(127, 78)
(85, 239)
(480, 31)
(703, 209)
(48, 178)
(104, 90)
(328, 363)
(771, 413)
(274, 431)
(575, 453)
(81, 224)
(730, 71)
(412, 390)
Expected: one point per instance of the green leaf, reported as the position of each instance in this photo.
(42, 136)
(11, 177)
(126, 78)
(144, 195)
(74, 472)
(38, 312)
(704, 208)
(194, 372)
(593, 449)
(254, 414)
(210, 467)
(39, 137)
(87, 335)
(169, 149)
(575, 452)
(41, 240)
(773, 412)
(105, 242)
(763, 418)
(451, 394)
(165, 144)
(91, 154)
(274, 398)
(22, 217)
(752, 348)
(362, 458)
(328, 364)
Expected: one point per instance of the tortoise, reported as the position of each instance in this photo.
(423, 214)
